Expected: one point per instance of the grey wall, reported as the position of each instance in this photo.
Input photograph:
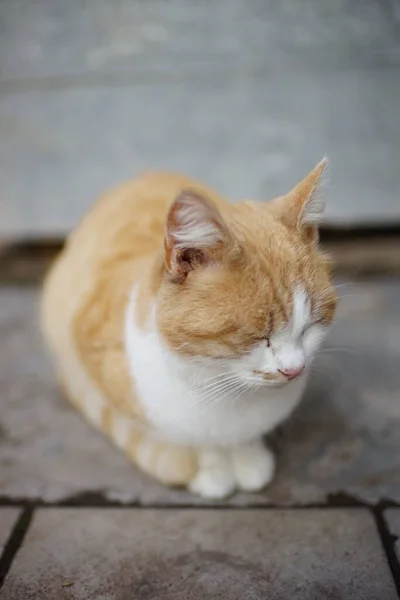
(247, 94)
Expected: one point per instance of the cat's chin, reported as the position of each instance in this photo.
(268, 383)
(275, 384)
(278, 383)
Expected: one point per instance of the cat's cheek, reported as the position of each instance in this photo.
(313, 339)
(252, 360)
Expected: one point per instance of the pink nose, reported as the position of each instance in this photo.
(292, 373)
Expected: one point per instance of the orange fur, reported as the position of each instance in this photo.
(215, 301)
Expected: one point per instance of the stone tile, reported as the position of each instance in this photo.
(343, 438)
(8, 517)
(392, 517)
(192, 554)
(45, 38)
(46, 450)
(74, 142)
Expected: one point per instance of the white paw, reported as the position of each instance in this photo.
(215, 478)
(253, 466)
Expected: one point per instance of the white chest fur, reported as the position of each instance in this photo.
(182, 412)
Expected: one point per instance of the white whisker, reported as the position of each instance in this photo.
(219, 394)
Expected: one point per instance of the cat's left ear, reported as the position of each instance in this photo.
(304, 205)
(195, 233)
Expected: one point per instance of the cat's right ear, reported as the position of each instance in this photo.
(195, 233)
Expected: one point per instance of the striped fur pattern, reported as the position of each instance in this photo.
(183, 326)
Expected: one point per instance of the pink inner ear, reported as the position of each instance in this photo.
(194, 221)
(194, 229)
(187, 260)
(192, 257)
(184, 261)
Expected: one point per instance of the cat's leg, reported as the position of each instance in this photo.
(170, 464)
(253, 465)
(215, 477)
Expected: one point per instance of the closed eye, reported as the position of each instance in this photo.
(264, 339)
(312, 324)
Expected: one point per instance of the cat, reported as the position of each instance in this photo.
(183, 325)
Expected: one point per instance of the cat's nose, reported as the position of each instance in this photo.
(293, 372)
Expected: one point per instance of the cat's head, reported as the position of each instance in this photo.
(245, 284)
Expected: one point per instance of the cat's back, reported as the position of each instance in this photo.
(128, 221)
(123, 229)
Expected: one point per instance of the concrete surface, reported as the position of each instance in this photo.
(246, 95)
(200, 555)
(341, 448)
(344, 439)
(8, 517)
(392, 517)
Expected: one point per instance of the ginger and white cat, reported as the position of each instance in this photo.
(182, 325)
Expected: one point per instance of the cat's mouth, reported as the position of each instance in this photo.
(271, 377)
(279, 378)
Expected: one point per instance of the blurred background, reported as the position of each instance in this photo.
(246, 94)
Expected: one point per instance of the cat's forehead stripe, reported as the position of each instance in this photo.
(301, 311)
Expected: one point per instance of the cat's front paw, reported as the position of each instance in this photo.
(253, 466)
(215, 478)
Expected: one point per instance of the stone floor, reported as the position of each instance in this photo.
(78, 521)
